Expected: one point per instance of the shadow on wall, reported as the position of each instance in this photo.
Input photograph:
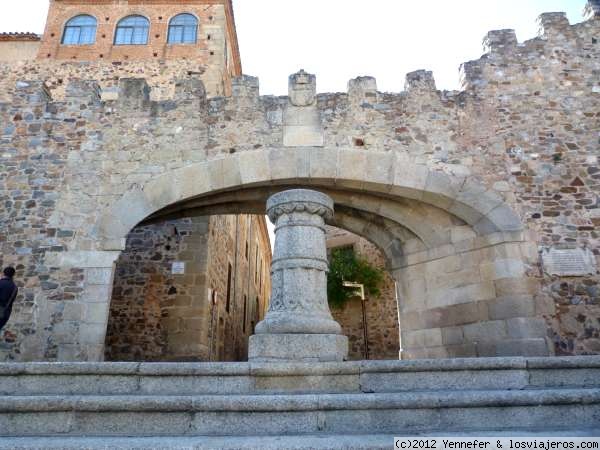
(189, 290)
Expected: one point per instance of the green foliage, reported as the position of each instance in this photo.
(345, 265)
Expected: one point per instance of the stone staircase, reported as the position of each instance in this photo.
(293, 405)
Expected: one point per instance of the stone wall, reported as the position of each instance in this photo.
(242, 245)
(158, 315)
(544, 120)
(478, 301)
(381, 312)
(488, 177)
(153, 312)
(18, 46)
(160, 76)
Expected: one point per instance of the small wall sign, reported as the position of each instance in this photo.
(178, 268)
(576, 262)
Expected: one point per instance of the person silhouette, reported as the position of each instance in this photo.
(8, 293)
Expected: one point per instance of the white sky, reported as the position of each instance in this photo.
(342, 39)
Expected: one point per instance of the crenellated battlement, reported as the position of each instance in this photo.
(88, 91)
(502, 48)
(500, 41)
(178, 81)
(31, 93)
(362, 88)
(552, 24)
(420, 80)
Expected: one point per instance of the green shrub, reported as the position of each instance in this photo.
(345, 265)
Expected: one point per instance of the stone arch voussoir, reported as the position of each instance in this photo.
(376, 172)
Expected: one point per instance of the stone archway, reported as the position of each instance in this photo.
(454, 248)
(384, 175)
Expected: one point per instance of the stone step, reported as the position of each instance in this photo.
(290, 442)
(284, 414)
(255, 378)
(334, 442)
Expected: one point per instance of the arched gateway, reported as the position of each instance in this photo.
(457, 251)
(463, 242)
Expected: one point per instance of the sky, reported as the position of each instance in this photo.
(342, 39)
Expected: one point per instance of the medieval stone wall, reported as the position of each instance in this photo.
(154, 313)
(440, 172)
(544, 125)
(55, 76)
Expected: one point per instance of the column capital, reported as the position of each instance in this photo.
(299, 201)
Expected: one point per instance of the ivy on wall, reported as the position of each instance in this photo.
(346, 265)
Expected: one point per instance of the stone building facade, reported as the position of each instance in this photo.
(381, 312)
(190, 290)
(483, 201)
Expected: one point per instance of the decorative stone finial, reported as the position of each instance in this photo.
(302, 88)
(592, 10)
(301, 119)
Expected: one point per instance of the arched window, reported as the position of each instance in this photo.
(80, 30)
(132, 30)
(183, 29)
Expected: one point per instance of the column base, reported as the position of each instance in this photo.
(297, 347)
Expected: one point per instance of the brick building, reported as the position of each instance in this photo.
(202, 31)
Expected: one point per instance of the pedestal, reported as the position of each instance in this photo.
(299, 325)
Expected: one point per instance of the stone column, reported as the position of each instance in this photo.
(299, 325)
